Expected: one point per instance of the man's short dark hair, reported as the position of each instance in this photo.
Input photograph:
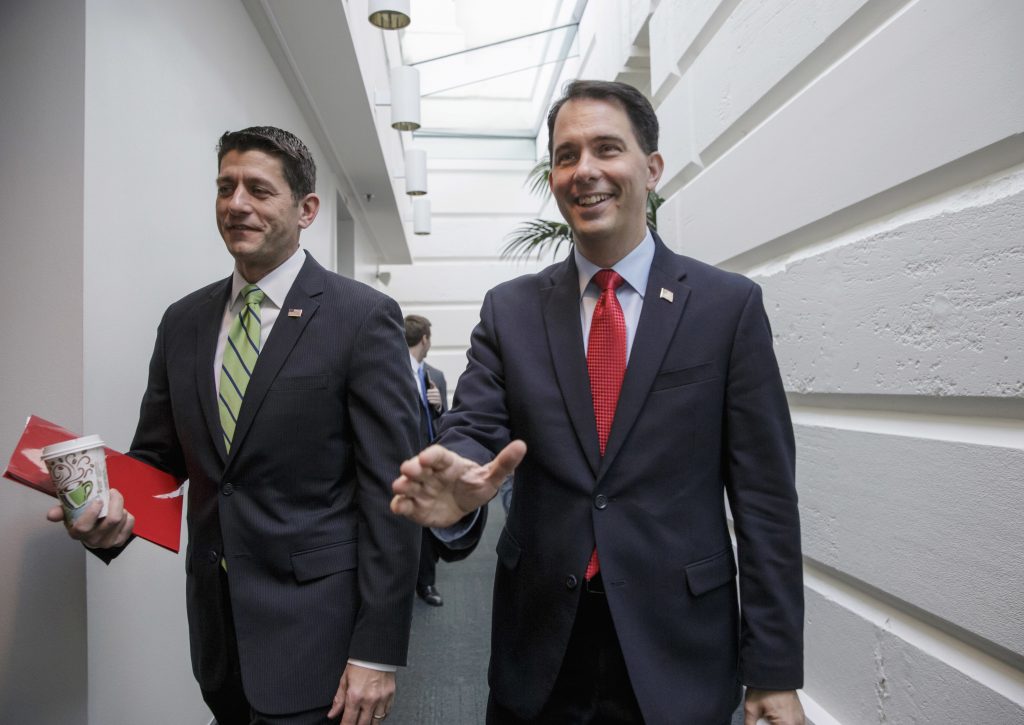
(416, 326)
(296, 161)
(641, 114)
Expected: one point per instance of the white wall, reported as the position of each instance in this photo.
(111, 116)
(42, 600)
(863, 162)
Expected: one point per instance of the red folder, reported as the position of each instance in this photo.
(151, 495)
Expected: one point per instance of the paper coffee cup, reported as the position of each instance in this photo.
(78, 469)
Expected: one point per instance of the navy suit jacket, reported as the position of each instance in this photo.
(319, 569)
(701, 416)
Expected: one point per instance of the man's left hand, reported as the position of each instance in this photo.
(777, 707)
(364, 696)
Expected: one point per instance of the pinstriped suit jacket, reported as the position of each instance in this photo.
(319, 569)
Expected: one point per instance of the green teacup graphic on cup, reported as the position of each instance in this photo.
(76, 495)
(78, 469)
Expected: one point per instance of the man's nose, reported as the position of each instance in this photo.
(586, 168)
(239, 202)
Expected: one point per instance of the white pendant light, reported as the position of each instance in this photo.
(421, 215)
(405, 98)
(389, 14)
(415, 172)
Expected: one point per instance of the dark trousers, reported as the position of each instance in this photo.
(428, 560)
(593, 684)
(228, 702)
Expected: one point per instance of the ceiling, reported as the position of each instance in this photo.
(488, 68)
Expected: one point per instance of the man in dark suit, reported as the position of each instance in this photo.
(433, 402)
(647, 390)
(282, 393)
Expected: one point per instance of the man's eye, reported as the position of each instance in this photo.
(223, 190)
(562, 159)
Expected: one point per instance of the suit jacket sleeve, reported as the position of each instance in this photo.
(478, 426)
(759, 468)
(382, 405)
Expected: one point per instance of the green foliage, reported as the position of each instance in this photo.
(537, 236)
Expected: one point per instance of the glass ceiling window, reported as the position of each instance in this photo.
(488, 67)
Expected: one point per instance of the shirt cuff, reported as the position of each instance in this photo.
(450, 535)
(373, 665)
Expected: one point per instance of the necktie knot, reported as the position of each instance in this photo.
(253, 295)
(608, 279)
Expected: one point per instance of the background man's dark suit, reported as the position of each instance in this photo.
(437, 378)
(702, 411)
(318, 569)
(431, 549)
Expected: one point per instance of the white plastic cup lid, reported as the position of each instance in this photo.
(74, 445)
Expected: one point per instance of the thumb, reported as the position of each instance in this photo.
(55, 514)
(506, 461)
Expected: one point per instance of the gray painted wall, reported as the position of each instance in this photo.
(42, 600)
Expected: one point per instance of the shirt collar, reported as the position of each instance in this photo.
(415, 363)
(276, 284)
(635, 267)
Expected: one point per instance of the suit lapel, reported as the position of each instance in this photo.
(659, 320)
(561, 310)
(283, 336)
(209, 316)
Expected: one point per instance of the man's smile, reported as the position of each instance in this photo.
(587, 200)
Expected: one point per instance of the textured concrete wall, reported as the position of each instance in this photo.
(864, 161)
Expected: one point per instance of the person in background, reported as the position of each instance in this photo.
(632, 390)
(282, 393)
(433, 402)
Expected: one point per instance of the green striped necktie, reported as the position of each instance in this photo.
(240, 353)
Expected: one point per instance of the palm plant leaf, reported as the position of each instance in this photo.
(536, 236)
(537, 179)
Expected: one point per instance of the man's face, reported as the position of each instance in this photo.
(256, 214)
(600, 176)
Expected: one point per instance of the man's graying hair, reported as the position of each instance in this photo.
(641, 115)
(296, 161)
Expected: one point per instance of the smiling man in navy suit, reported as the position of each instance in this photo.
(283, 394)
(645, 386)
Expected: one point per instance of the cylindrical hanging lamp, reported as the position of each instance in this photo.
(421, 215)
(389, 14)
(415, 172)
(405, 98)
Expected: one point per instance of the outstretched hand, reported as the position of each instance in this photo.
(439, 487)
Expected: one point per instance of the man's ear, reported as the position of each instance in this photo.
(655, 167)
(308, 208)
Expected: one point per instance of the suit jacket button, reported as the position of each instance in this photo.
(571, 582)
(228, 489)
(600, 501)
(213, 556)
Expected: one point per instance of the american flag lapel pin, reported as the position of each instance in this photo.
(666, 294)
(295, 312)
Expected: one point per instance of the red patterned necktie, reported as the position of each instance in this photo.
(606, 363)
